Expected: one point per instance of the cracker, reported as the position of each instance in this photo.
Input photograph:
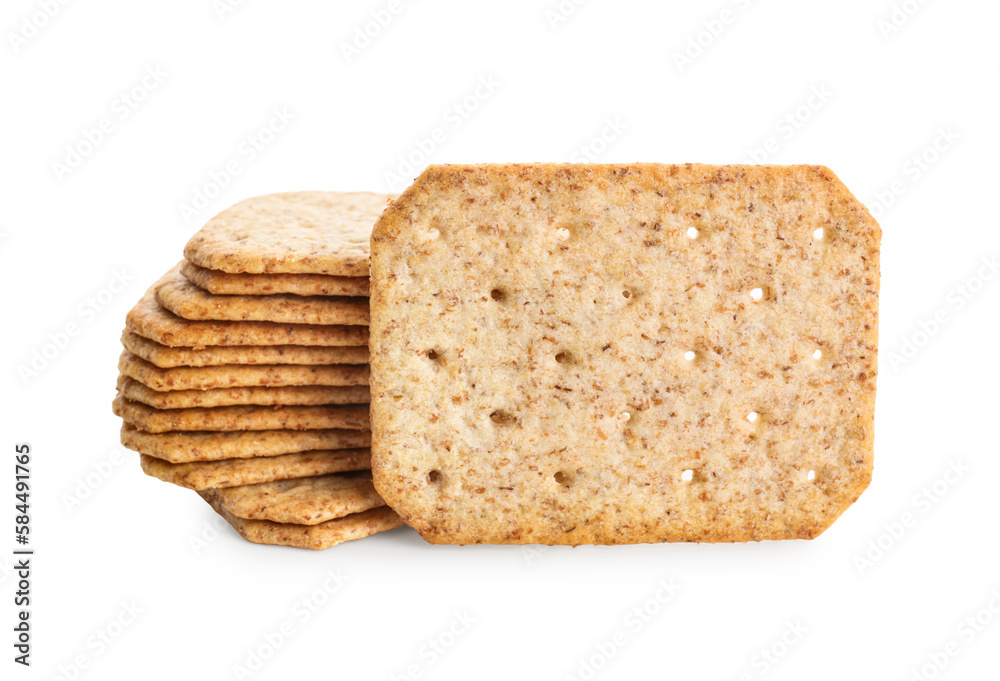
(303, 501)
(166, 357)
(308, 395)
(149, 320)
(235, 375)
(294, 233)
(228, 284)
(208, 446)
(188, 301)
(530, 333)
(152, 420)
(320, 536)
(200, 475)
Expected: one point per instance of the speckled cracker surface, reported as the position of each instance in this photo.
(152, 420)
(620, 354)
(232, 375)
(296, 232)
(200, 475)
(188, 301)
(167, 357)
(303, 501)
(226, 283)
(304, 395)
(322, 536)
(214, 446)
(149, 320)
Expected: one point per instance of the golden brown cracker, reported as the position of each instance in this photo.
(167, 357)
(211, 446)
(296, 233)
(235, 375)
(149, 320)
(571, 354)
(199, 475)
(228, 284)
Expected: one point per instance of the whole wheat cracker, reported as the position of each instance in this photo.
(236, 375)
(306, 395)
(623, 353)
(303, 501)
(199, 475)
(228, 284)
(149, 320)
(214, 446)
(152, 420)
(188, 301)
(167, 357)
(322, 536)
(297, 233)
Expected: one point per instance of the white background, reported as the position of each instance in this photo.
(609, 68)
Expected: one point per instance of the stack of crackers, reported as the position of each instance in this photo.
(560, 354)
(245, 370)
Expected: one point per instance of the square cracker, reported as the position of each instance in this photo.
(295, 233)
(303, 501)
(199, 475)
(149, 320)
(322, 536)
(228, 284)
(623, 353)
(292, 395)
(188, 301)
(167, 357)
(152, 420)
(185, 447)
(236, 375)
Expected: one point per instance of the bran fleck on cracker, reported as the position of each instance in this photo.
(569, 354)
